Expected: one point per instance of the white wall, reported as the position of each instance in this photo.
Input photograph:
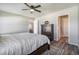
(36, 26)
(78, 27)
(74, 26)
(11, 23)
(73, 23)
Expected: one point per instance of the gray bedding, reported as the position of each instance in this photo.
(21, 43)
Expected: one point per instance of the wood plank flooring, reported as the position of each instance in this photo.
(61, 47)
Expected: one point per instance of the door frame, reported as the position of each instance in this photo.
(58, 30)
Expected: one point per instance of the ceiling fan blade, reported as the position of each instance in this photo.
(37, 10)
(33, 7)
(37, 6)
(27, 5)
(25, 9)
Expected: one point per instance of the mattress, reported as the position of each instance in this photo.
(21, 43)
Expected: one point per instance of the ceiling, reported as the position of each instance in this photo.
(46, 8)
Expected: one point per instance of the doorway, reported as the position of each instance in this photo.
(63, 28)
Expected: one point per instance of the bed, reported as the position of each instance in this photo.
(23, 44)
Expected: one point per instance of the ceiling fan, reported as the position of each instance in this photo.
(32, 8)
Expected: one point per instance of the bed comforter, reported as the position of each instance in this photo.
(21, 43)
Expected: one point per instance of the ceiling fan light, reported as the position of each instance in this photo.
(31, 10)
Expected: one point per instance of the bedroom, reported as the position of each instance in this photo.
(16, 25)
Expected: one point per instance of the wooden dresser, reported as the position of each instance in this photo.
(48, 31)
